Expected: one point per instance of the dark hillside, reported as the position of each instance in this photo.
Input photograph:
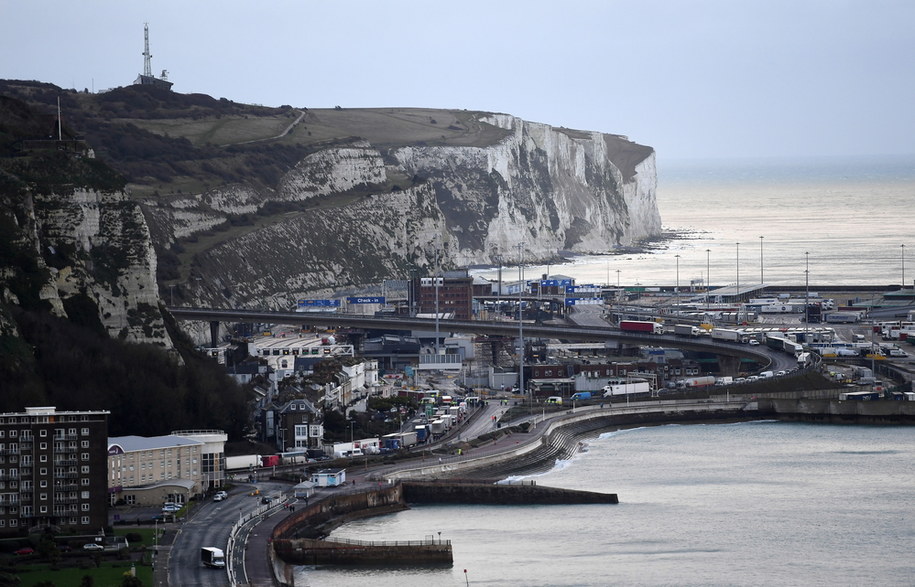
(72, 363)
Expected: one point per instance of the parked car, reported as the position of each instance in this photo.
(266, 499)
(25, 550)
(93, 546)
(220, 495)
(171, 507)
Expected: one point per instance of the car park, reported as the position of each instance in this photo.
(93, 546)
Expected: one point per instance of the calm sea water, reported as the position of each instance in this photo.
(851, 216)
(742, 504)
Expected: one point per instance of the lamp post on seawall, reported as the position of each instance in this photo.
(761, 280)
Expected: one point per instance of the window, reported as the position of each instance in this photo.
(84, 481)
(84, 495)
(84, 520)
(43, 483)
(84, 431)
(14, 522)
(43, 471)
(43, 458)
(84, 469)
(84, 456)
(43, 432)
(84, 444)
(84, 507)
(43, 445)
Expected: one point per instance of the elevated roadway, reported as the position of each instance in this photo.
(762, 354)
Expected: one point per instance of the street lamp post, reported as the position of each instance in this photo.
(903, 264)
(806, 291)
(708, 275)
(677, 287)
(738, 282)
(521, 320)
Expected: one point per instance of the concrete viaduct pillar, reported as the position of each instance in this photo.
(729, 365)
(214, 334)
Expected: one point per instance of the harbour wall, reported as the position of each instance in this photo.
(298, 539)
(833, 411)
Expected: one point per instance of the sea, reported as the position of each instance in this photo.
(754, 503)
(788, 222)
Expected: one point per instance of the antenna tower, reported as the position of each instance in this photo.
(147, 58)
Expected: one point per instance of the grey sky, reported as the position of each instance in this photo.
(706, 78)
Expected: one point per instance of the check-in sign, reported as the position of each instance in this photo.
(366, 300)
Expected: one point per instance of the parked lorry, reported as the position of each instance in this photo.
(408, 439)
(243, 462)
(212, 557)
(696, 381)
(422, 432)
(641, 326)
(271, 460)
(686, 330)
(729, 335)
(626, 388)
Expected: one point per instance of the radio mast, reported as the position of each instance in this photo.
(147, 58)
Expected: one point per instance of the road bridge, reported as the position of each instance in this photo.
(762, 354)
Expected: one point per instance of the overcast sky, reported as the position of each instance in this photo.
(693, 79)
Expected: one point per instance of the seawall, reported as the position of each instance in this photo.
(562, 434)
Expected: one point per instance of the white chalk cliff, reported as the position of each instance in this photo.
(367, 213)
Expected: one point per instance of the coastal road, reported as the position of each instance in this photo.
(210, 525)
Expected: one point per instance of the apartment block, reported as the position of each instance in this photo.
(52, 471)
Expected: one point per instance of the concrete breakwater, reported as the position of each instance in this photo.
(297, 540)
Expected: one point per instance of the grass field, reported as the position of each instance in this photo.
(72, 567)
(108, 575)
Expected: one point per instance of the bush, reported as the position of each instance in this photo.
(133, 537)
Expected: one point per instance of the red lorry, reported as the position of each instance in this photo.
(641, 326)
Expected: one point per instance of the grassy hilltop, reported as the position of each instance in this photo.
(164, 142)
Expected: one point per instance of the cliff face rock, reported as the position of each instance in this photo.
(111, 260)
(408, 207)
(99, 246)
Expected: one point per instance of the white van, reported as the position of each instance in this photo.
(554, 399)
